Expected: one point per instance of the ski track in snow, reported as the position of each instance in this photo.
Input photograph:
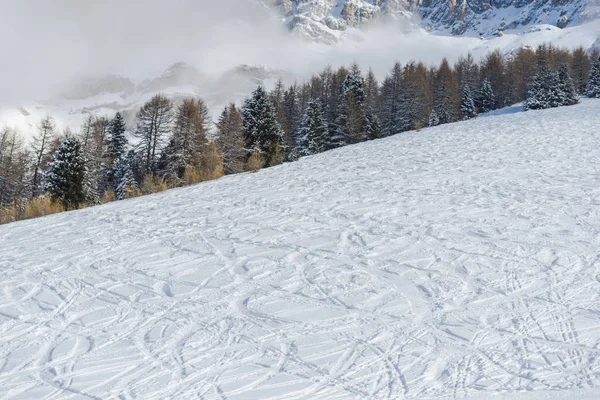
(460, 261)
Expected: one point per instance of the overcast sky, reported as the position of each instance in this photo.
(46, 42)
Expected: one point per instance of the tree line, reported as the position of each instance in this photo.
(172, 145)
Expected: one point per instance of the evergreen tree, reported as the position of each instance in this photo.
(372, 127)
(467, 105)
(391, 99)
(487, 99)
(434, 120)
(550, 90)
(339, 136)
(116, 144)
(446, 94)
(566, 87)
(593, 86)
(64, 179)
(153, 124)
(292, 119)
(230, 140)
(261, 126)
(126, 185)
(354, 84)
(117, 141)
(314, 130)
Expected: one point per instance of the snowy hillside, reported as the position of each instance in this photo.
(457, 262)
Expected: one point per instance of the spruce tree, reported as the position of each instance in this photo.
(261, 127)
(434, 120)
(117, 140)
(126, 184)
(446, 94)
(314, 131)
(467, 105)
(593, 86)
(486, 99)
(372, 126)
(391, 99)
(566, 87)
(65, 175)
(339, 135)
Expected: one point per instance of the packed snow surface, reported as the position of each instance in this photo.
(456, 262)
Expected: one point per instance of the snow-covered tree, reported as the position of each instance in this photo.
(261, 126)
(433, 119)
(126, 185)
(446, 94)
(487, 98)
(593, 86)
(313, 131)
(65, 175)
(354, 84)
(117, 140)
(566, 88)
(372, 126)
(551, 89)
(467, 105)
(543, 92)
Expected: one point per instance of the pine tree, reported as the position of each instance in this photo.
(314, 131)
(551, 89)
(467, 105)
(116, 144)
(153, 124)
(593, 86)
(487, 99)
(126, 185)
(230, 140)
(566, 87)
(433, 119)
(338, 136)
(391, 99)
(64, 179)
(446, 94)
(354, 84)
(372, 126)
(261, 126)
(117, 141)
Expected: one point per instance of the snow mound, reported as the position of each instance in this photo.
(456, 262)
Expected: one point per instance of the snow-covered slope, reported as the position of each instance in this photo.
(459, 261)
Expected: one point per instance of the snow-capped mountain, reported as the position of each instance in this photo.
(326, 20)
